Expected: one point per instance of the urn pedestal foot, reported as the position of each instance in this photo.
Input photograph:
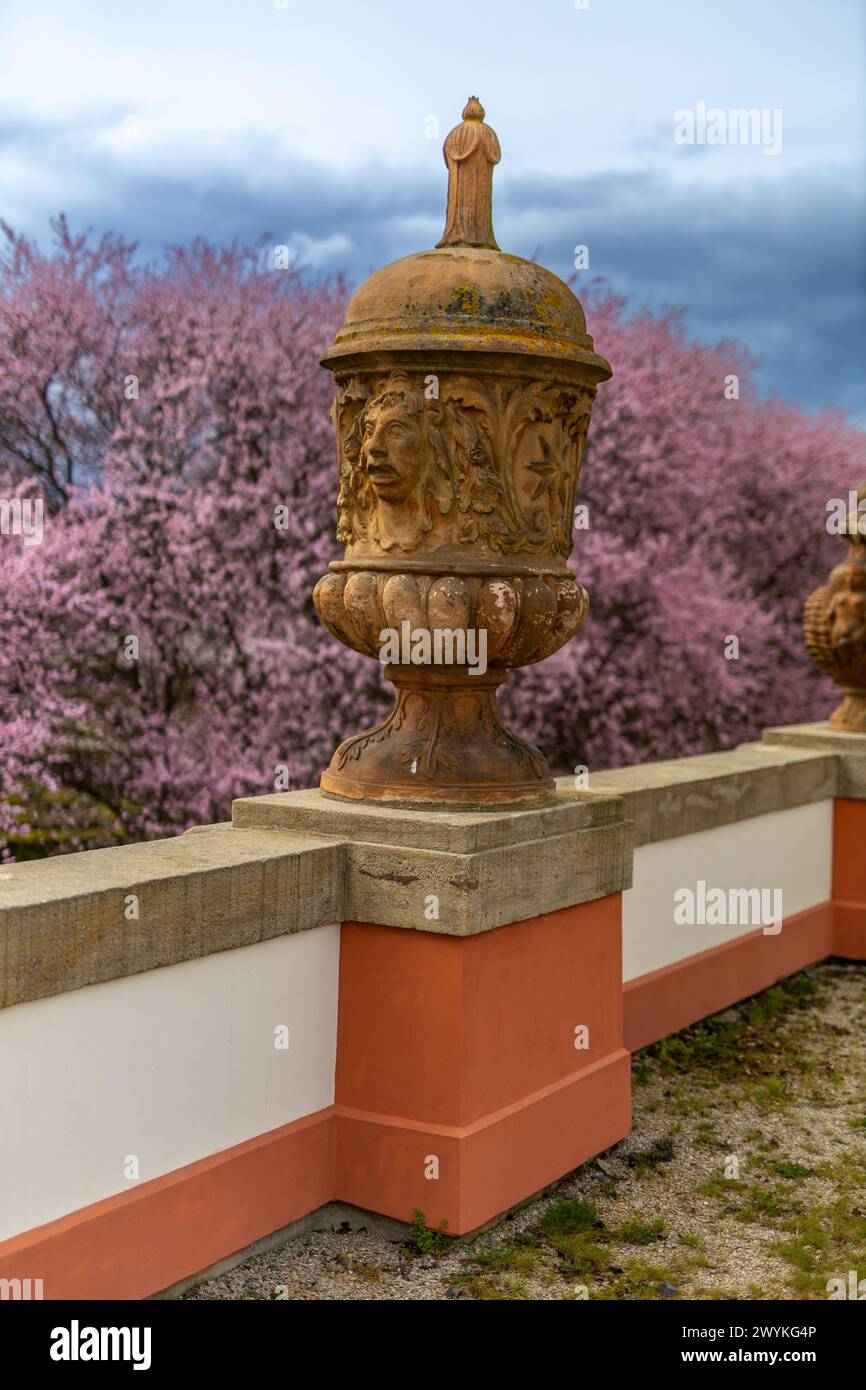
(851, 714)
(443, 744)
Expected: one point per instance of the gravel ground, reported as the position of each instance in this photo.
(744, 1177)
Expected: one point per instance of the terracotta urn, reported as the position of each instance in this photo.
(465, 379)
(834, 623)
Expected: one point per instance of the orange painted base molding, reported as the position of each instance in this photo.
(669, 999)
(466, 1177)
(679, 994)
(849, 877)
(140, 1242)
(471, 1072)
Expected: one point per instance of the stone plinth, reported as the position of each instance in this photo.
(485, 869)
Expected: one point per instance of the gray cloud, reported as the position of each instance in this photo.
(777, 263)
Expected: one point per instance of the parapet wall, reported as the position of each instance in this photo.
(206, 1038)
(766, 817)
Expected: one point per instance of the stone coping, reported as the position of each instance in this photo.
(297, 860)
(459, 832)
(65, 923)
(850, 751)
(684, 795)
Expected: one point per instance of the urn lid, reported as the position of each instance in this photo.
(466, 295)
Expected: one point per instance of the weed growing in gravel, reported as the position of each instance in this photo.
(371, 1274)
(522, 1258)
(569, 1217)
(645, 1160)
(640, 1232)
(792, 1170)
(423, 1240)
(486, 1289)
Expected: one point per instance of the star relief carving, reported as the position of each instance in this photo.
(555, 480)
(552, 473)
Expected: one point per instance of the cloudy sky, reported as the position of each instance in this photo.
(315, 121)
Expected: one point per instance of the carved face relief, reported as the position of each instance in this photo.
(392, 451)
(399, 480)
(401, 483)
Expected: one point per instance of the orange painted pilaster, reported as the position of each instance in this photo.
(459, 1087)
(849, 878)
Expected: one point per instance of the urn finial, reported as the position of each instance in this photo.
(471, 149)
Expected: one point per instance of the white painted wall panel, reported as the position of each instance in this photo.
(790, 849)
(172, 1065)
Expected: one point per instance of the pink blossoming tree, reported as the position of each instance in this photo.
(160, 652)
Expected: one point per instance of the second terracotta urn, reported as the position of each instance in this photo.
(834, 623)
(465, 380)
